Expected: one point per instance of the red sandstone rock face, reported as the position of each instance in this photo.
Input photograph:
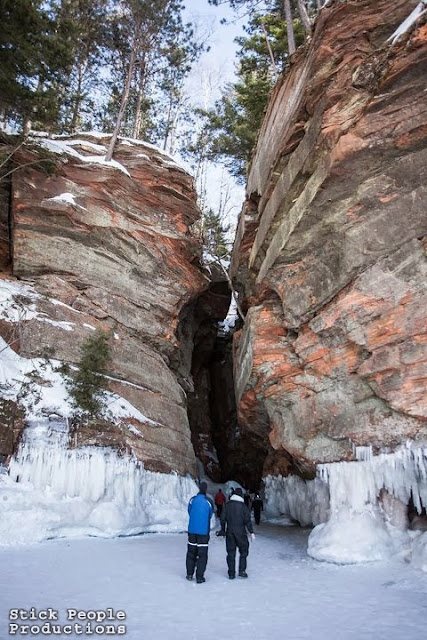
(334, 348)
(117, 255)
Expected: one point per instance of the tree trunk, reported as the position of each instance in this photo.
(26, 126)
(77, 101)
(137, 122)
(125, 97)
(289, 26)
(270, 50)
(306, 22)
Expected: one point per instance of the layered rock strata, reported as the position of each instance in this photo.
(330, 255)
(110, 246)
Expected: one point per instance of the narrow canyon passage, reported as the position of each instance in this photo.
(287, 595)
(315, 398)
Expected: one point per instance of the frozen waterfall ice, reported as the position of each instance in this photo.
(368, 504)
(360, 507)
(55, 491)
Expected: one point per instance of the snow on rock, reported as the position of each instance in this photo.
(16, 375)
(403, 28)
(63, 147)
(50, 393)
(12, 305)
(65, 143)
(66, 198)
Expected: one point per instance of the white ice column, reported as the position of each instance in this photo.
(359, 528)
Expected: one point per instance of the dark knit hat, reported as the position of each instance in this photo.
(238, 492)
(203, 487)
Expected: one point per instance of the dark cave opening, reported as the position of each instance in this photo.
(220, 446)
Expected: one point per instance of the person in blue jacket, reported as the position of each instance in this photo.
(200, 510)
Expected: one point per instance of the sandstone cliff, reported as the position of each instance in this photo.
(109, 247)
(330, 255)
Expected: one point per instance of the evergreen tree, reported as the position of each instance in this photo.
(85, 27)
(215, 235)
(34, 60)
(155, 49)
(232, 126)
(88, 385)
(275, 28)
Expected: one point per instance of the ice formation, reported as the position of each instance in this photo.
(368, 499)
(402, 473)
(306, 501)
(359, 507)
(53, 491)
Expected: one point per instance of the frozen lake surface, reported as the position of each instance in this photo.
(287, 595)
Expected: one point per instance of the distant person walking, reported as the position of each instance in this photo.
(235, 520)
(220, 500)
(200, 510)
(257, 506)
(247, 499)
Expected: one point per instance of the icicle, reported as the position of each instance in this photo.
(306, 501)
(90, 490)
(354, 484)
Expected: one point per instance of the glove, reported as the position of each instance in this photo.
(220, 533)
(253, 536)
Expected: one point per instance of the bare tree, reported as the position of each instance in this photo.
(270, 50)
(123, 104)
(305, 19)
(289, 26)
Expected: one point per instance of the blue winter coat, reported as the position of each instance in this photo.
(200, 510)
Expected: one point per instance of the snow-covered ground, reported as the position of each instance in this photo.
(287, 595)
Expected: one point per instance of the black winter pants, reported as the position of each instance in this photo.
(257, 515)
(232, 542)
(197, 554)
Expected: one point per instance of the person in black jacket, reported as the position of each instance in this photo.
(235, 520)
(257, 507)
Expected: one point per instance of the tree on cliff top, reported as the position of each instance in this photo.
(34, 61)
(87, 29)
(232, 126)
(155, 50)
